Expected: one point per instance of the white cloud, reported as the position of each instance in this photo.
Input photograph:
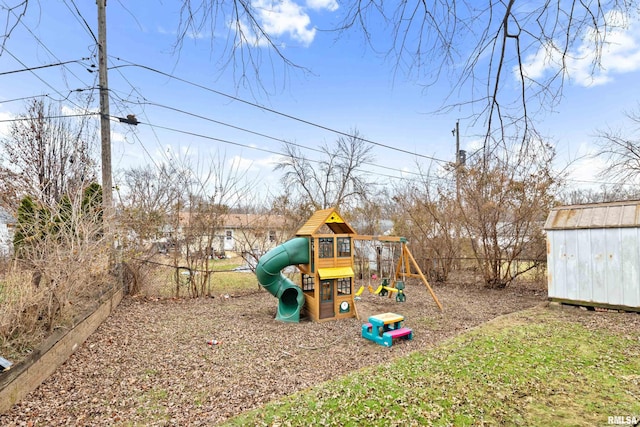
(583, 167)
(241, 164)
(248, 35)
(584, 173)
(269, 161)
(67, 110)
(192, 34)
(330, 5)
(4, 126)
(285, 17)
(282, 18)
(118, 137)
(620, 54)
(474, 145)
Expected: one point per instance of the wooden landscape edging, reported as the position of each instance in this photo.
(27, 375)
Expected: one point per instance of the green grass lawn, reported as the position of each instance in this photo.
(532, 369)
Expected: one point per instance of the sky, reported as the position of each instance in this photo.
(189, 107)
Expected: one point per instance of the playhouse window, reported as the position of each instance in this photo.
(344, 286)
(344, 246)
(326, 247)
(308, 283)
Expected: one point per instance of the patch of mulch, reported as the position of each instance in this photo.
(150, 363)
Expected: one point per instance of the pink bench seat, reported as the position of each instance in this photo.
(397, 333)
(389, 336)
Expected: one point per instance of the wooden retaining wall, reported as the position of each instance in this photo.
(27, 375)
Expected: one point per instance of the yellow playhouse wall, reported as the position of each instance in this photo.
(312, 302)
(311, 307)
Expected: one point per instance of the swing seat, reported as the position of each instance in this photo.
(360, 291)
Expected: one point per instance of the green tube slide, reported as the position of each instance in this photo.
(268, 272)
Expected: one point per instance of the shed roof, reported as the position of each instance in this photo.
(325, 216)
(595, 215)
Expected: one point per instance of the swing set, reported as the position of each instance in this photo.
(405, 267)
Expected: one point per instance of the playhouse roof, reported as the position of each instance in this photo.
(331, 218)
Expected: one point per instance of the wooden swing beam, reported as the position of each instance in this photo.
(406, 260)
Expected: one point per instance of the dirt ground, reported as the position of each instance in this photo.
(150, 364)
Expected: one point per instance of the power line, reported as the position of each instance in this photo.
(153, 131)
(21, 21)
(225, 141)
(178, 110)
(259, 134)
(147, 102)
(81, 19)
(132, 64)
(238, 144)
(37, 76)
(45, 95)
(44, 66)
(64, 116)
(234, 98)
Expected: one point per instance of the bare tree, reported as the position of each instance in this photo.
(14, 15)
(293, 207)
(332, 181)
(147, 197)
(45, 156)
(479, 47)
(373, 216)
(62, 246)
(621, 152)
(604, 193)
(257, 232)
(475, 47)
(246, 43)
(503, 204)
(211, 188)
(428, 216)
(481, 50)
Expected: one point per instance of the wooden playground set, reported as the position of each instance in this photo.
(323, 252)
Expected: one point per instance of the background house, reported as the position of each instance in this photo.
(237, 232)
(7, 228)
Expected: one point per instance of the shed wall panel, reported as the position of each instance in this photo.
(598, 279)
(614, 277)
(585, 274)
(600, 265)
(630, 241)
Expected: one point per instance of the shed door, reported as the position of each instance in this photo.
(326, 299)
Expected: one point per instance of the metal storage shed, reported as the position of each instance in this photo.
(593, 254)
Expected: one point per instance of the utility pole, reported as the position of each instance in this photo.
(108, 216)
(457, 144)
(457, 166)
(105, 125)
